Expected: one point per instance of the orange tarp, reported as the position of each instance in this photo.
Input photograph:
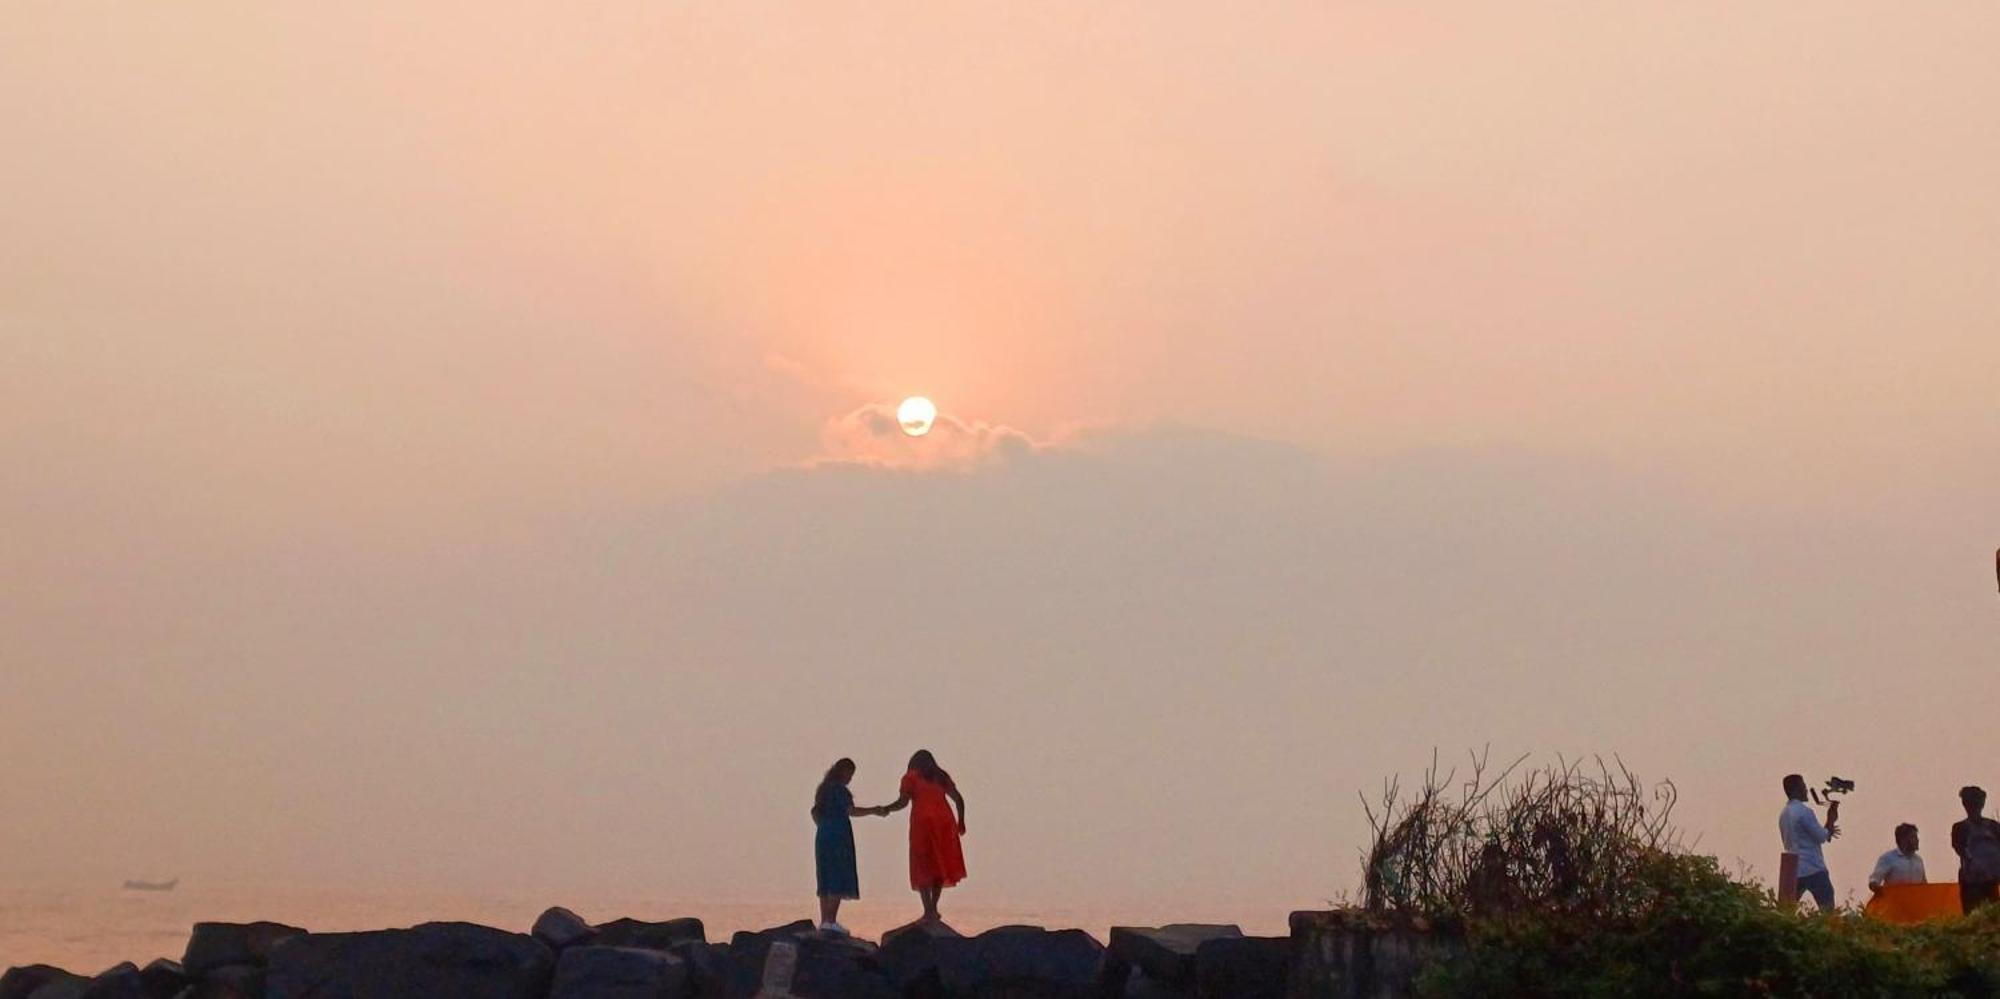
(1915, 903)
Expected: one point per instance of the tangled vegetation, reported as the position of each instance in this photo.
(1564, 881)
(1558, 839)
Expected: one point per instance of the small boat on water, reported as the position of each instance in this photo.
(152, 885)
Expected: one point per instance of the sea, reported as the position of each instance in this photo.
(90, 929)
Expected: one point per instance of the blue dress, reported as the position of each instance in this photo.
(833, 846)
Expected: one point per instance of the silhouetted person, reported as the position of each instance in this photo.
(833, 843)
(1900, 866)
(937, 861)
(1976, 840)
(1803, 836)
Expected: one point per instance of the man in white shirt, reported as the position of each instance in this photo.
(1803, 836)
(1900, 866)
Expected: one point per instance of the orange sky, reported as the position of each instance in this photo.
(346, 357)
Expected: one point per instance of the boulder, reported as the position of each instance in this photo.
(909, 959)
(120, 982)
(1356, 954)
(649, 936)
(71, 987)
(1020, 962)
(925, 930)
(1166, 953)
(231, 981)
(795, 928)
(619, 973)
(807, 964)
(1142, 987)
(435, 959)
(1243, 967)
(164, 978)
(707, 966)
(21, 982)
(559, 928)
(63, 988)
(215, 944)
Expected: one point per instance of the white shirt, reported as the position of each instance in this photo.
(1803, 835)
(1898, 868)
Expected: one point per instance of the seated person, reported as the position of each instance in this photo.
(1900, 866)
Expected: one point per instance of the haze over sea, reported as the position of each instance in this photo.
(449, 465)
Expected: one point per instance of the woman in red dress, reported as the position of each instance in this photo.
(936, 860)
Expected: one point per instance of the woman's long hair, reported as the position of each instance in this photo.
(828, 783)
(926, 766)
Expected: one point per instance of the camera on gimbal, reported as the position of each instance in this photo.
(1835, 787)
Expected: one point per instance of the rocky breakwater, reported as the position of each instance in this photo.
(564, 956)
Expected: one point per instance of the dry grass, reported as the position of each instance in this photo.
(1558, 839)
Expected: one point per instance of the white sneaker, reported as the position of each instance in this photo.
(833, 928)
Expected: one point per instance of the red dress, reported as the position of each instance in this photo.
(935, 856)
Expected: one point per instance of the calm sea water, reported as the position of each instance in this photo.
(89, 930)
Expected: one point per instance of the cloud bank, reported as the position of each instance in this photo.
(869, 436)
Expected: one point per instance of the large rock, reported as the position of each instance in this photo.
(231, 981)
(795, 928)
(619, 973)
(708, 968)
(1166, 953)
(1020, 963)
(215, 944)
(1243, 967)
(923, 929)
(21, 982)
(798, 961)
(64, 988)
(559, 928)
(649, 936)
(1355, 954)
(910, 959)
(164, 978)
(120, 982)
(432, 960)
(1142, 987)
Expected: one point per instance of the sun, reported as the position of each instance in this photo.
(916, 415)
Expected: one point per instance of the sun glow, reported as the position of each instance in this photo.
(916, 415)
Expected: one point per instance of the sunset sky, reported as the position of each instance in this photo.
(444, 444)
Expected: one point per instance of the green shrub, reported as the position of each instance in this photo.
(1705, 934)
(1567, 882)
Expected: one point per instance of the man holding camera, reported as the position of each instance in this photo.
(1803, 836)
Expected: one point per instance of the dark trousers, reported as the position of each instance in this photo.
(1973, 894)
(1820, 887)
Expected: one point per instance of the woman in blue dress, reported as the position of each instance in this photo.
(833, 846)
